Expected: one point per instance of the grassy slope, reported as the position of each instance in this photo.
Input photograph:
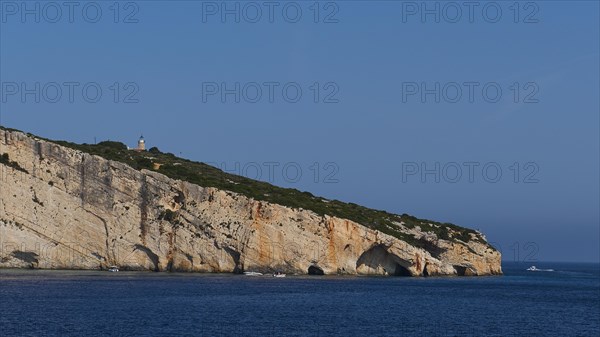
(209, 176)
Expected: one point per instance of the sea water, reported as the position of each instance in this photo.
(564, 302)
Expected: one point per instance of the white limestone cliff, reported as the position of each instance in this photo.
(64, 209)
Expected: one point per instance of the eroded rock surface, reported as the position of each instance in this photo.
(61, 208)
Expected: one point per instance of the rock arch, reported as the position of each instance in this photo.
(378, 261)
(464, 271)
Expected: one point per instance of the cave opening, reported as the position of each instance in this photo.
(314, 270)
(460, 271)
(179, 198)
(401, 271)
(425, 272)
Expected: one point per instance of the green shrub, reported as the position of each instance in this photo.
(154, 150)
(113, 145)
(143, 163)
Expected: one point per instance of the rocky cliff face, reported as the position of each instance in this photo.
(61, 208)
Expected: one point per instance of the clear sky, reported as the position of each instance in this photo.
(376, 133)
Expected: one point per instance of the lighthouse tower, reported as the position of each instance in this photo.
(141, 144)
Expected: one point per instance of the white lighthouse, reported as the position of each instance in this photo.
(141, 144)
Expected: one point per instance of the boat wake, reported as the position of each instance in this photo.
(252, 273)
(534, 268)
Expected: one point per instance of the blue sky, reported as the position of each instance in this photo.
(369, 138)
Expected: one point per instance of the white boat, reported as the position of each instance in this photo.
(534, 268)
(252, 273)
(278, 274)
(113, 269)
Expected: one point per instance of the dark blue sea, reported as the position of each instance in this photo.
(563, 302)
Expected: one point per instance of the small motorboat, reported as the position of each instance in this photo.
(252, 273)
(278, 274)
(113, 269)
(534, 268)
